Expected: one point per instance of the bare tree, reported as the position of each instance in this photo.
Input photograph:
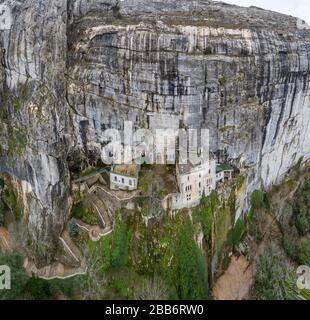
(153, 289)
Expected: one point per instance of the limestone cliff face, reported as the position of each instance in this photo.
(70, 69)
(34, 115)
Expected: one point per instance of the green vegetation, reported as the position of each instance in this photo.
(146, 179)
(111, 275)
(161, 262)
(119, 246)
(281, 220)
(222, 81)
(11, 200)
(82, 212)
(160, 259)
(73, 228)
(3, 110)
(215, 217)
(25, 287)
(17, 141)
(295, 224)
(222, 224)
(16, 102)
(191, 280)
(303, 251)
(2, 213)
(203, 214)
(239, 181)
(301, 209)
(257, 218)
(140, 201)
(18, 276)
(298, 249)
(7, 99)
(114, 249)
(152, 289)
(158, 179)
(237, 233)
(38, 289)
(258, 200)
(274, 277)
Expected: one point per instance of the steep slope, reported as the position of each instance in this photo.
(70, 69)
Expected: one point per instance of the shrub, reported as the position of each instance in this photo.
(203, 214)
(152, 289)
(303, 251)
(236, 234)
(240, 181)
(73, 228)
(289, 247)
(120, 245)
(19, 277)
(2, 213)
(191, 277)
(257, 200)
(274, 277)
(38, 288)
(301, 209)
(222, 81)
(12, 202)
(80, 211)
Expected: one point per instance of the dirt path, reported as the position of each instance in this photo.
(55, 271)
(236, 282)
(58, 270)
(95, 232)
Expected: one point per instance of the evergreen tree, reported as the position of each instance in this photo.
(191, 278)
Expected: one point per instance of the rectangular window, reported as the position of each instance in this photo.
(130, 182)
(123, 180)
(115, 178)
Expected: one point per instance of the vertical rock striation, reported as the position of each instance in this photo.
(34, 115)
(70, 69)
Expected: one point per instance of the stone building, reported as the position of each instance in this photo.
(193, 182)
(124, 177)
(223, 172)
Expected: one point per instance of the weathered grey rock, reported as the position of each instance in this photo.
(70, 69)
(34, 115)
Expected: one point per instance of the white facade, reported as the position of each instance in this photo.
(122, 182)
(221, 176)
(193, 182)
(124, 177)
